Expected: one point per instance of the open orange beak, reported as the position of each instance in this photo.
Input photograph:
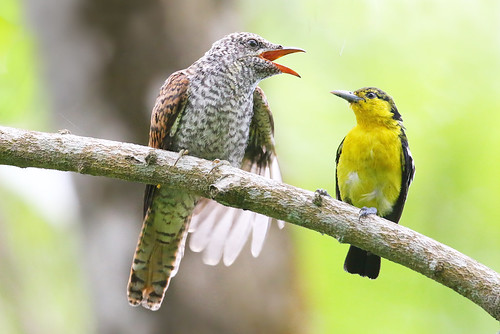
(275, 54)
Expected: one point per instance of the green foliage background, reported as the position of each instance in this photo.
(439, 60)
(41, 282)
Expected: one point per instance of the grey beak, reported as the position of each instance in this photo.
(346, 95)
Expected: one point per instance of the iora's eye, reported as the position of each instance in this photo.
(252, 43)
(371, 95)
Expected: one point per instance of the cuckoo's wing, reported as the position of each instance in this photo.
(166, 114)
(220, 231)
(260, 155)
(161, 243)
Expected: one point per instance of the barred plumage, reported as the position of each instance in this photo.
(214, 110)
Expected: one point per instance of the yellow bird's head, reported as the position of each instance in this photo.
(371, 105)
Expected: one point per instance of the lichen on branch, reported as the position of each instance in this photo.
(234, 187)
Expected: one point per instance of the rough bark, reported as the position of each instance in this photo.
(234, 187)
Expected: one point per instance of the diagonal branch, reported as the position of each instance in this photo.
(234, 187)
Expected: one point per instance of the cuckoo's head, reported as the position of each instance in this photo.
(250, 53)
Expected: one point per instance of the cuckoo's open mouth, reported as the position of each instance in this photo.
(275, 54)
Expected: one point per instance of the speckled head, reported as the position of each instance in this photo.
(251, 52)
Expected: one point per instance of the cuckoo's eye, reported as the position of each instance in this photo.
(252, 43)
(371, 95)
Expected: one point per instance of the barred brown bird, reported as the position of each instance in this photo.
(214, 110)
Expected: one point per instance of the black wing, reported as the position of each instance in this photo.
(407, 172)
(339, 152)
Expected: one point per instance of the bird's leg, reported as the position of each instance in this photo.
(366, 211)
(181, 153)
(318, 196)
(217, 163)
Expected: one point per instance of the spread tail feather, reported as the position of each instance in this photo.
(154, 264)
(361, 262)
(160, 247)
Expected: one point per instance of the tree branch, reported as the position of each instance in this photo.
(234, 187)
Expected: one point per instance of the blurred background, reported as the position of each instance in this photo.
(94, 67)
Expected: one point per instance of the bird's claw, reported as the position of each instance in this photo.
(366, 211)
(217, 163)
(181, 153)
(318, 196)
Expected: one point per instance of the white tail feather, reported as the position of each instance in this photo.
(204, 227)
(221, 232)
(238, 237)
(260, 226)
(215, 247)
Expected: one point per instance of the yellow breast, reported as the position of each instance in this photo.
(369, 168)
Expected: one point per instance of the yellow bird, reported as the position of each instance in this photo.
(374, 167)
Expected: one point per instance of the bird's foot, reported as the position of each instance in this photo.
(366, 211)
(318, 196)
(181, 153)
(217, 163)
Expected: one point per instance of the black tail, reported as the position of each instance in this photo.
(361, 262)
